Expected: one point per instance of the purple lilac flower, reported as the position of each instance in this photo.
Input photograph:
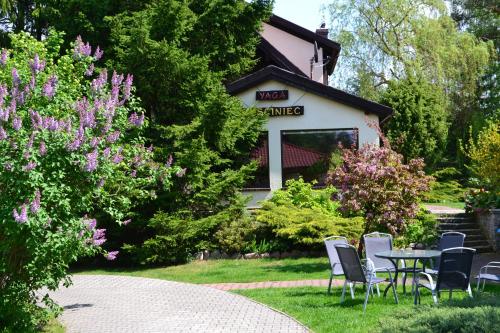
(50, 123)
(101, 183)
(117, 158)
(99, 82)
(49, 88)
(29, 144)
(113, 137)
(3, 57)
(12, 106)
(181, 172)
(133, 174)
(98, 53)
(32, 83)
(3, 134)
(136, 120)
(4, 115)
(126, 222)
(106, 152)
(94, 142)
(35, 204)
(21, 217)
(90, 223)
(42, 150)
(36, 119)
(30, 166)
(16, 80)
(37, 65)
(169, 161)
(149, 149)
(127, 86)
(90, 70)
(92, 162)
(17, 123)
(111, 255)
(98, 237)
(78, 140)
(116, 79)
(81, 49)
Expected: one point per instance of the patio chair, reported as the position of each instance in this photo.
(485, 274)
(453, 273)
(333, 257)
(355, 272)
(446, 241)
(377, 242)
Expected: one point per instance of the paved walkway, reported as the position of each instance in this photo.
(435, 209)
(122, 304)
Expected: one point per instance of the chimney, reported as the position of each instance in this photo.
(322, 31)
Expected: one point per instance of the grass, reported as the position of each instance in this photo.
(324, 313)
(218, 271)
(452, 204)
(53, 326)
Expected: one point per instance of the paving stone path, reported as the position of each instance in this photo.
(122, 304)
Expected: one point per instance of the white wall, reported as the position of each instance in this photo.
(297, 50)
(319, 113)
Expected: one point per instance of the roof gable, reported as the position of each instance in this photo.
(304, 83)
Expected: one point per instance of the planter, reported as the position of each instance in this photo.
(489, 222)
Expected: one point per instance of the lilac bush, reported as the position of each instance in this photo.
(375, 183)
(71, 145)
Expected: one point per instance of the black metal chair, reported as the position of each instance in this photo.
(447, 240)
(354, 271)
(453, 274)
(333, 257)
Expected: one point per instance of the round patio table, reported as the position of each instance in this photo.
(415, 255)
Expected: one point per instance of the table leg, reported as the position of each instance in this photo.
(395, 279)
(414, 276)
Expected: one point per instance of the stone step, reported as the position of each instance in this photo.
(474, 243)
(475, 231)
(454, 226)
(456, 220)
(458, 215)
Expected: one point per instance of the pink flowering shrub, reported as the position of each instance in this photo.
(71, 145)
(375, 183)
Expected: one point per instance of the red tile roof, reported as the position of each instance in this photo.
(293, 156)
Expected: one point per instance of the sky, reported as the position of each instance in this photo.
(305, 13)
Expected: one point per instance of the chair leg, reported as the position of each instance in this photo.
(484, 283)
(330, 284)
(378, 291)
(393, 285)
(415, 297)
(366, 296)
(404, 283)
(352, 285)
(478, 285)
(343, 291)
(434, 297)
(469, 290)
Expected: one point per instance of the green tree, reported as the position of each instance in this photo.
(419, 124)
(180, 53)
(385, 40)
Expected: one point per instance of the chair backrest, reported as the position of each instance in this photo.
(349, 259)
(330, 243)
(455, 268)
(378, 242)
(449, 240)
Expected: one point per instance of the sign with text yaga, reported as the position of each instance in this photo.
(271, 95)
(277, 111)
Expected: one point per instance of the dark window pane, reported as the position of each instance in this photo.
(261, 154)
(308, 153)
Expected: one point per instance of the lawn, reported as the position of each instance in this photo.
(217, 271)
(451, 204)
(324, 313)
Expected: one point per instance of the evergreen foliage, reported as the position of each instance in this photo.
(419, 123)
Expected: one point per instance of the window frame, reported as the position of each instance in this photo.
(356, 129)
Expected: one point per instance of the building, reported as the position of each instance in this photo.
(307, 118)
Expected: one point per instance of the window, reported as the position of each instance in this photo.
(307, 153)
(261, 154)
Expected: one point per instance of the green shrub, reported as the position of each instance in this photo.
(305, 228)
(421, 229)
(237, 235)
(468, 316)
(446, 187)
(302, 195)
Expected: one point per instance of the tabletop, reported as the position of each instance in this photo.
(408, 254)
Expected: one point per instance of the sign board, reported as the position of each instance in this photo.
(278, 111)
(271, 95)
